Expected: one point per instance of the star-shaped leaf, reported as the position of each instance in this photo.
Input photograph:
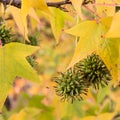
(104, 9)
(89, 33)
(13, 63)
(92, 40)
(114, 31)
(57, 21)
(27, 5)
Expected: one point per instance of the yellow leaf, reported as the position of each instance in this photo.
(104, 8)
(117, 1)
(89, 33)
(114, 31)
(33, 14)
(77, 5)
(92, 40)
(37, 4)
(20, 116)
(109, 52)
(53, 0)
(88, 118)
(105, 116)
(27, 4)
(57, 22)
(27, 113)
(106, 21)
(16, 13)
(1, 9)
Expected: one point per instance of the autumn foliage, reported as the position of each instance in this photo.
(66, 47)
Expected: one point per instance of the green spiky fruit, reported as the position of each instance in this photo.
(31, 60)
(70, 86)
(94, 71)
(5, 35)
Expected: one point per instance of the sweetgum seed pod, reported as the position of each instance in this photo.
(5, 35)
(71, 93)
(71, 85)
(94, 71)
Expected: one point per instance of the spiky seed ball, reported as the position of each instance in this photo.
(70, 86)
(5, 35)
(94, 71)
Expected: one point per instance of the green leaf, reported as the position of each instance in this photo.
(32, 113)
(1, 117)
(13, 63)
(26, 113)
(102, 93)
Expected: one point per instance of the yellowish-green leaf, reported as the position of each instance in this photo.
(16, 13)
(92, 40)
(26, 114)
(105, 116)
(109, 52)
(114, 31)
(88, 118)
(106, 22)
(34, 15)
(117, 107)
(37, 4)
(102, 93)
(89, 33)
(117, 1)
(57, 22)
(1, 9)
(77, 5)
(13, 63)
(105, 8)
(27, 4)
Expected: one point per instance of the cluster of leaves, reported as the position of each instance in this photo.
(98, 30)
(91, 71)
(103, 27)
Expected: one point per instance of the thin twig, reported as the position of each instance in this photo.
(91, 11)
(58, 4)
(107, 5)
(17, 3)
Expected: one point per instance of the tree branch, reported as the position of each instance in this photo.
(58, 4)
(17, 3)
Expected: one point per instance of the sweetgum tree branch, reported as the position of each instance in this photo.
(17, 3)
